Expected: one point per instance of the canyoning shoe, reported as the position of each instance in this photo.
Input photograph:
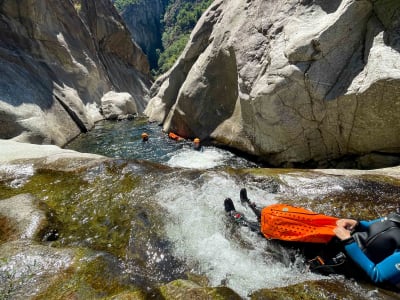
(326, 266)
(243, 196)
(245, 200)
(228, 204)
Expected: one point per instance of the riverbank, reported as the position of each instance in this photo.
(15, 151)
(11, 151)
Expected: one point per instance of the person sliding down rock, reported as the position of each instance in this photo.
(374, 246)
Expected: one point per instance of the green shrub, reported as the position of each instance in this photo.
(121, 4)
(179, 21)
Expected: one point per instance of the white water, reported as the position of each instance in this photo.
(210, 157)
(309, 186)
(205, 239)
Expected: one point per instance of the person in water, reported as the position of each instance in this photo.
(196, 145)
(145, 137)
(372, 245)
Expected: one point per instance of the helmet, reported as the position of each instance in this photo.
(196, 140)
(144, 134)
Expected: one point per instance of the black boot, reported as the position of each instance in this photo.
(245, 200)
(243, 196)
(228, 204)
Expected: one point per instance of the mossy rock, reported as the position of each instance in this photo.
(7, 230)
(129, 295)
(317, 290)
(92, 276)
(20, 218)
(185, 289)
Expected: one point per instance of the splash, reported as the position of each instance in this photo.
(226, 254)
(206, 159)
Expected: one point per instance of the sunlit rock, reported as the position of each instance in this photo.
(334, 288)
(118, 106)
(295, 83)
(27, 269)
(183, 289)
(57, 60)
(21, 211)
(41, 156)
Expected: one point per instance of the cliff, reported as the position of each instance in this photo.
(57, 60)
(144, 22)
(295, 83)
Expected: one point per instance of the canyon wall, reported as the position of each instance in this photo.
(57, 60)
(309, 82)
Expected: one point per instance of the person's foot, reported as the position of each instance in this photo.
(243, 196)
(228, 204)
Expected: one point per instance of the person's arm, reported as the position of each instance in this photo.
(386, 270)
(351, 224)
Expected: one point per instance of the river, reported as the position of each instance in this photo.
(189, 196)
(123, 140)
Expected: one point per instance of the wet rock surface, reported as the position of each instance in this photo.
(108, 229)
(21, 213)
(301, 85)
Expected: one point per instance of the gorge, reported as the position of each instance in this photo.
(309, 83)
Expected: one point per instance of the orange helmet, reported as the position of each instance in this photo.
(196, 140)
(144, 134)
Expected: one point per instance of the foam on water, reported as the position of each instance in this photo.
(206, 159)
(204, 238)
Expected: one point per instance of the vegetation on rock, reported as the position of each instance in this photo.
(180, 18)
(177, 23)
(121, 4)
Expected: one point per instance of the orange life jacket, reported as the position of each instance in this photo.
(175, 136)
(289, 223)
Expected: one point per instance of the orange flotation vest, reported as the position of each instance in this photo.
(289, 223)
(175, 137)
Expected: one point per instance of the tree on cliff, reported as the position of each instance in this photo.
(177, 20)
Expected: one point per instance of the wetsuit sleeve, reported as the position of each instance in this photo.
(363, 225)
(386, 270)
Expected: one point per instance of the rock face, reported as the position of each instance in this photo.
(118, 106)
(57, 60)
(22, 213)
(300, 82)
(143, 19)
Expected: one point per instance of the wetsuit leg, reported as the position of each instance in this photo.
(245, 199)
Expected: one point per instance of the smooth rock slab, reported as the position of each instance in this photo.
(20, 210)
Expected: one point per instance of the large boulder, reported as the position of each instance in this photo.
(118, 106)
(57, 60)
(304, 82)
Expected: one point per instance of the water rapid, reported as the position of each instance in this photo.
(184, 199)
(227, 254)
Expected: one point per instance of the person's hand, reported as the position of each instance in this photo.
(342, 233)
(347, 224)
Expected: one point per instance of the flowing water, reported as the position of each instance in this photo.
(199, 233)
(158, 208)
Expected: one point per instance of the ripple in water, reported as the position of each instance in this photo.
(123, 140)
